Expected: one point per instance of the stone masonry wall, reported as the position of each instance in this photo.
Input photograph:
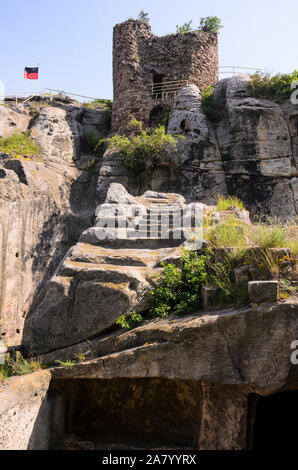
(138, 54)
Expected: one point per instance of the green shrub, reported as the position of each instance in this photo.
(129, 322)
(292, 243)
(208, 103)
(81, 356)
(225, 203)
(19, 145)
(143, 151)
(99, 103)
(185, 28)
(275, 88)
(179, 287)
(210, 24)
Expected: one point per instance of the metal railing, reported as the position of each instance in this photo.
(10, 349)
(66, 93)
(49, 93)
(167, 89)
(235, 70)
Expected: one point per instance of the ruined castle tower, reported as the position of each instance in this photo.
(148, 71)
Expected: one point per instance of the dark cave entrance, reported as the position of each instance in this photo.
(129, 413)
(159, 115)
(274, 421)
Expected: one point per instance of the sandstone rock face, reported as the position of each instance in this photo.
(103, 278)
(256, 153)
(256, 148)
(62, 286)
(13, 120)
(214, 362)
(210, 347)
(45, 203)
(250, 151)
(25, 412)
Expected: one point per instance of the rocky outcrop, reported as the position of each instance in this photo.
(13, 120)
(45, 203)
(211, 347)
(251, 154)
(102, 278)
(25, 412)
(248, 150)
(186, 382)
(190, 382)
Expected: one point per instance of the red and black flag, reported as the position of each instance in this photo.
(31, 73)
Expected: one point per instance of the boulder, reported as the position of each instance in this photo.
(263, 291)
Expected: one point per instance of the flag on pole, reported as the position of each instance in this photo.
(31, 73)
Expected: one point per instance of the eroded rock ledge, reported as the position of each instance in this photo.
(184, 383)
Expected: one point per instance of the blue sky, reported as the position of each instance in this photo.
(72, 39)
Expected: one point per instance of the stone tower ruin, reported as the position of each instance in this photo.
(148, 71)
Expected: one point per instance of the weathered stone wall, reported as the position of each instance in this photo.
(138, 54)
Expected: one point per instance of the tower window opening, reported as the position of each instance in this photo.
(157, 85)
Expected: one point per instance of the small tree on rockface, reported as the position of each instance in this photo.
(143, 16)
(185, 28)
(210, 24)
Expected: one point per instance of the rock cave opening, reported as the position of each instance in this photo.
(275, 421)
(128, 413)
(159, 115)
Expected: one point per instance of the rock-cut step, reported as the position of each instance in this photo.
(89, 236)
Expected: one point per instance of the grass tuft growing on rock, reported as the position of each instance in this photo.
(19, 144)
(269, 236)
(231, 232)
(19, 366)
(67, 363)
(231, 202)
